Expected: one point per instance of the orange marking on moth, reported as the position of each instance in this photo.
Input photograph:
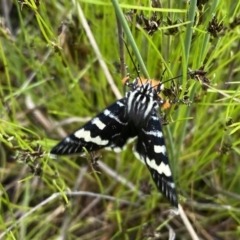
(166, 105)
(124, 80)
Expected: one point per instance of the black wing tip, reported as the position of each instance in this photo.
(173, 197)
(168, 190)
(63, 150)
(66, 147)
(170, 194)
(166, 186)
(56, 150)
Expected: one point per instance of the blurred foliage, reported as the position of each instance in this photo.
(51, 83)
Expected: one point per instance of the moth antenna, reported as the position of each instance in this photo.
(168, 80)
(127, 70)
(163, 73)
(161, 83)
(136, 68)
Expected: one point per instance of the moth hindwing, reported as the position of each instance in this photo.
(133, 117)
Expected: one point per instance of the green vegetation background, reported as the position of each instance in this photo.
(51, 83)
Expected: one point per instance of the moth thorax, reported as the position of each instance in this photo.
(140, 103)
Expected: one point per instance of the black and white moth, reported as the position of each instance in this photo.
(133, 117)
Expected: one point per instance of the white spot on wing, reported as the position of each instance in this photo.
(109, 114)
(120, 104)
(161, 169)
(67, 139)
(86, 136)
(155, 118)
(98, 123)
(171, 184)
(155, 133)
(160, 149)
